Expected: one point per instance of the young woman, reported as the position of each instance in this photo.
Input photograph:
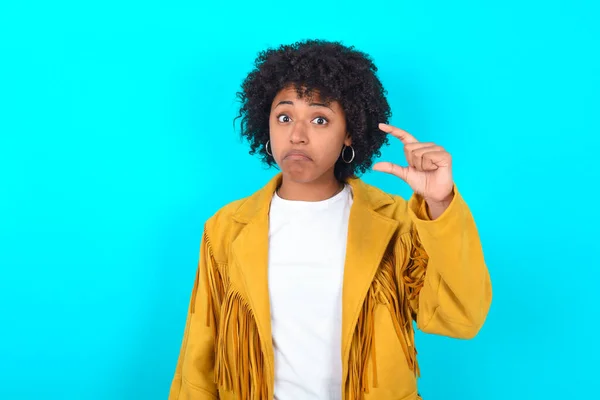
(308, 288)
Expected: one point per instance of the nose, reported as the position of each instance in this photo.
(298, 134)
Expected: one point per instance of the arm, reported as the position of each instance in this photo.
(193, 378)
(457, 292)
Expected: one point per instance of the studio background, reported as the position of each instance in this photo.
(117, 143)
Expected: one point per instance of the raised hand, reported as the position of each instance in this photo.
(429, 170)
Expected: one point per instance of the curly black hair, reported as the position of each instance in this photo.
(334, 71)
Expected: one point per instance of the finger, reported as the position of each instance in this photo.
(413, 151)
(433, 160)
(401, 134)
(391, 168)
(420, 162)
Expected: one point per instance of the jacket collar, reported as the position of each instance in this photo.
(259, 202)
(369, 234)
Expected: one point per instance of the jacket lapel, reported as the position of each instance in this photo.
(251, 260)
(369, 234)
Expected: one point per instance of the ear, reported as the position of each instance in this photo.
(348, 140)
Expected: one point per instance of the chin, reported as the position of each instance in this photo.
(301, 174)
(300, 177)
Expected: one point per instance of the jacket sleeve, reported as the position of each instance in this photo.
(457, 292)
(194, 374)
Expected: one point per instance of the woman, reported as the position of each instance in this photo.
(308, 288)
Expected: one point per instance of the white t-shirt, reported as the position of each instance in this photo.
(307, 251)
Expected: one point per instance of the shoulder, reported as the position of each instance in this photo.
(218, 230)
(223, 220)
(226, 223)
(404, 210)
(224, 215)
(384, 203)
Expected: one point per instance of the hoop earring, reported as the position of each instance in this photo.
(267, 148)
(353, 154)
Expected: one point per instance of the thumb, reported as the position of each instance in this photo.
(393, 169)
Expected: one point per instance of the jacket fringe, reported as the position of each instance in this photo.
(239, 368)
(396, 284)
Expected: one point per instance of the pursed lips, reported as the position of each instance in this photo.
(297, 155)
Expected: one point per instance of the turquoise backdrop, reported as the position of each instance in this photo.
(117, 143)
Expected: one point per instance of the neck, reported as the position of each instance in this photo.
(310, 191)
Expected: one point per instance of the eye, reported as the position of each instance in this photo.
(283, 118)
(320, 121)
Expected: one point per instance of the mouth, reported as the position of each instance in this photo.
(297, 155)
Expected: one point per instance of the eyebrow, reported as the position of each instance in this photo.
(311, 104)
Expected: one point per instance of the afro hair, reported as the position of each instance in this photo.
(336, 73)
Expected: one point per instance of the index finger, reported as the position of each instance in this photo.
(401, 134)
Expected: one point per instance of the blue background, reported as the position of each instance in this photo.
(117, 142)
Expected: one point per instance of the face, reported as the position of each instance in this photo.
(307, 136)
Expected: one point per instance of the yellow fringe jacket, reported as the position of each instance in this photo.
(400, 266)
